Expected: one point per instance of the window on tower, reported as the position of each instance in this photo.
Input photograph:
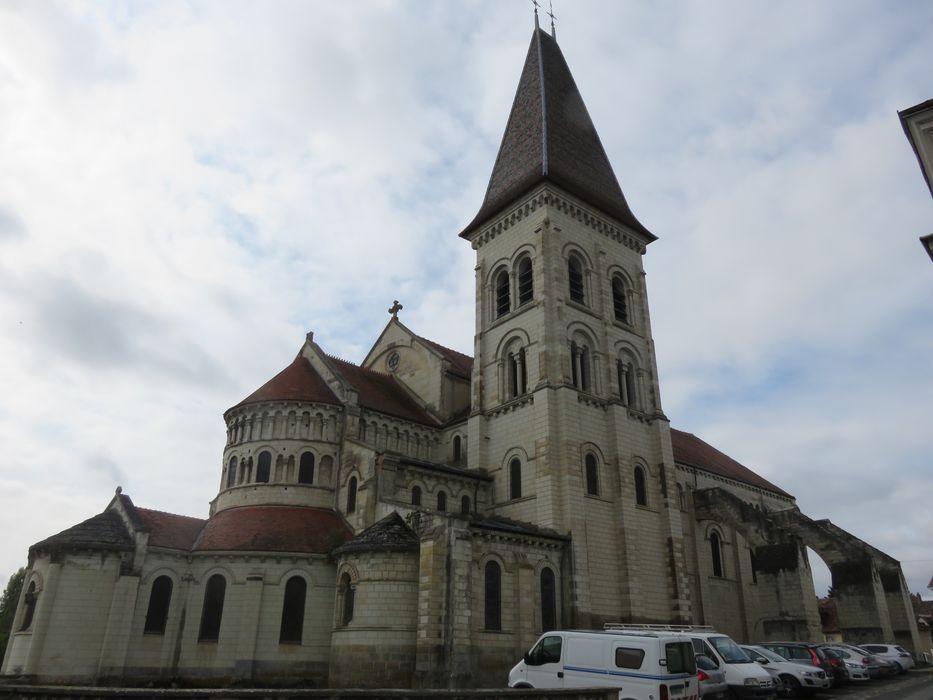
(575, 275)
(515, 478)
(641, 487)
(592, 474)
(503, 302)
(517, 374)
(526, 289)
(231, 472)
(263, 467)
(620, 300)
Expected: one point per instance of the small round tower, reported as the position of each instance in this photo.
(282, 443)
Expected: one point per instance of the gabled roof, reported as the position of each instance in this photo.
(169, 530)
(460, 364)
(550, 137)
(297, 382)
(103, 531)
(381, 392)
(391, 534)
(693, 452)
(273, 529)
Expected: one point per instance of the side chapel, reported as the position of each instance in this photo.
(418, 519)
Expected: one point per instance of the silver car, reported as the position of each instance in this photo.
(713, 684)
(891, 652)
(797, 679)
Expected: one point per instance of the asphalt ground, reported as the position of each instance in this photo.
(915, 685)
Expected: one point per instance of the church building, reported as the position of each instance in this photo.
(420, 518)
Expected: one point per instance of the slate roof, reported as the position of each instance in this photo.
(391, 534)
(103, 531)
(550, 136)
(460, 364)
(169, 530)
(273, 529)
(444, 468)
(382, 392)
(297, 382)
(516, 526)
(693, 452)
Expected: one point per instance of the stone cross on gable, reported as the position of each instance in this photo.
(395, 308)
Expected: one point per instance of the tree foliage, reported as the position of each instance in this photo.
(8, 606)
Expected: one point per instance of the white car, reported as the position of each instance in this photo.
(892, 652)
(797, 679)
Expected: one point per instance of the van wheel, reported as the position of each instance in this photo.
(791, 687)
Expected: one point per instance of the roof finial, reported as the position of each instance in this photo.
(395, 308)
(553, 17)
(535, 3)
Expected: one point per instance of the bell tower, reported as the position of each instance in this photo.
(566, 411)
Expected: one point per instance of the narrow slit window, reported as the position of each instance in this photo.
(548, 600)
(515, 479)
(526, 290)
(715, 547)
(416, 495)
(641, 487)
(351, 495)
(213, 610)
(503, 303)
(592, 475)
(231, 472)
(493, 596)
(619, 300)
(575, 275)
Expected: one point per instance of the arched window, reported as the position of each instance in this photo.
(503, 303)
(518, 375)
(715, 551)
(416, 495)
(306, 468)
(293, 611)
(575, 276)
(580, 365)
(628, 393)
(641, 487)
(515, 478)
(442, 501)
(263, 467)
(231, 472)
(457, 447)
(592, 474)
(493, 598)
(351, 495)
(620, 300)
(548, 600)
(30, 600)
(213, 609)
(160, 596)
(526, 288)
(347, 596)
(464, 505)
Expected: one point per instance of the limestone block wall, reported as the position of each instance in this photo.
(377, 648)
(72, 623)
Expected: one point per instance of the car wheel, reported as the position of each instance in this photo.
(791, 687)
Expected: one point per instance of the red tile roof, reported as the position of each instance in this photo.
(170, 530)
(273, 529)
(692, 451)
(459, 363)
(382, 392)
(297, 382)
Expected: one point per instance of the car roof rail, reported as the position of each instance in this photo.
(658, 628)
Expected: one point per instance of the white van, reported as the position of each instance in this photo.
(747, 680)
(643, 666)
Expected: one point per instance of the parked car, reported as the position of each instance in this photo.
(861, 658)
(887, 667)
(892, 652)
(712, 681)
(802, 652)
(641, 665)
(838, 662)
(796, 679)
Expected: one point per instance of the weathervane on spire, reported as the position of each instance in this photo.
(395, 308)
(553, 17)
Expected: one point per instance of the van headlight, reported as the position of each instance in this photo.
(751, 681)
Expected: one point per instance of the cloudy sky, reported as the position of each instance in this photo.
(186, 188)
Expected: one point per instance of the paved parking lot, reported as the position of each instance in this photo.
(916, 685)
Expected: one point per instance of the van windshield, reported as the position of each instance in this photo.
(729, 650)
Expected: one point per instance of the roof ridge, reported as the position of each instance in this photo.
(444, 347)
(165, 512)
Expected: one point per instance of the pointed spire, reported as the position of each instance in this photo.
(550, 136)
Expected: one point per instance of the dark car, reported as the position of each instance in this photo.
(804, 652)
(838, 662)
(712, 680)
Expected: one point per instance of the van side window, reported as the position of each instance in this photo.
(629, 658)
(680, 657)
(547, 651)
